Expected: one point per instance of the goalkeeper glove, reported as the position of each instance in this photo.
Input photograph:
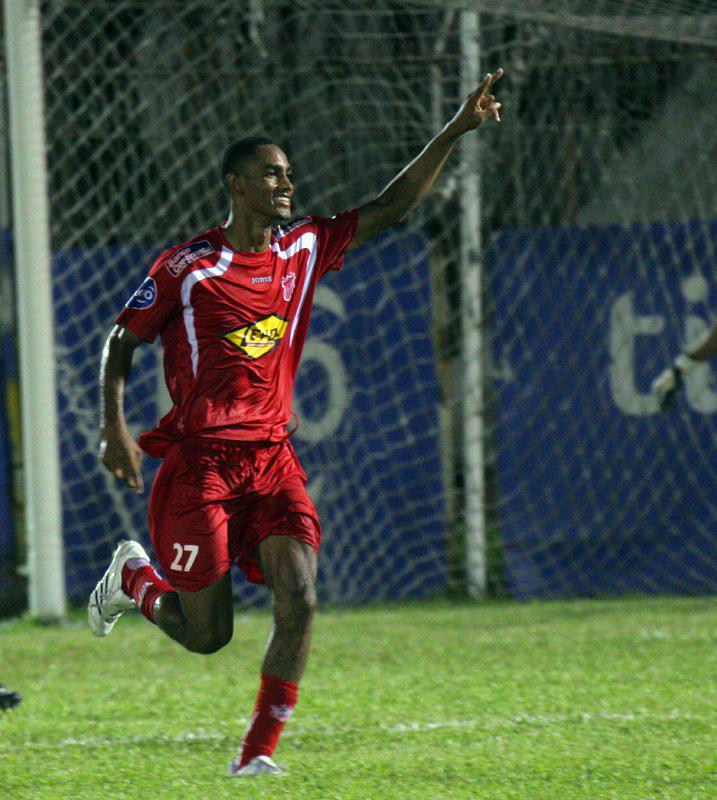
(669, 382)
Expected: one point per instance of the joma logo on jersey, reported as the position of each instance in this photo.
(258, 338)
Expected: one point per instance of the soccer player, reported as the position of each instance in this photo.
(232, 308)
(669, 382)
(8, 698)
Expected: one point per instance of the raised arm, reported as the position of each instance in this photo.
(415, 179)
(118, 450)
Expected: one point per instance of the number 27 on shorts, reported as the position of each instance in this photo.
(188, 550)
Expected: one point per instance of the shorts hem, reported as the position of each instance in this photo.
(182, 585)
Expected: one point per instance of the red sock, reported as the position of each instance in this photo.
(274, 705)
(144, 585)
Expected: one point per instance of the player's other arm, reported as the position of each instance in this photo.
(669, 382)
(415, 179)
(118, 450)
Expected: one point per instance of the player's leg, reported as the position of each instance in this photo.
(188, 525)
(197, 610)
(289, 568)
(276, 540)
(201, 621)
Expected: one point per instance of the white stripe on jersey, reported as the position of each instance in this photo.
(282, 230)
(306, 241)
(225, 259)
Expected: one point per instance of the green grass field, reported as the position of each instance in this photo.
(595, 699)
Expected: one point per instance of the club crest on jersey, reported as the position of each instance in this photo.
(288, 284)
(145, 296)
(258, 338)
(186, 255)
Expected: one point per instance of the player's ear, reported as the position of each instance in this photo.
(234, 182)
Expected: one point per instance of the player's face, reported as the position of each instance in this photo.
(266, 185)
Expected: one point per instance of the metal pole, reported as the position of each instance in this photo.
(35, 310)
(471, 321)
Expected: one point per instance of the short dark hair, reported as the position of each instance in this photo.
(239, 152)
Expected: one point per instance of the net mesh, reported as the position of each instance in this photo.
(598, 209)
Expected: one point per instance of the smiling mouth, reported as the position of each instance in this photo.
(282, 200)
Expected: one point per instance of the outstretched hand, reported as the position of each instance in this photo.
(666, 386)
(479, 106)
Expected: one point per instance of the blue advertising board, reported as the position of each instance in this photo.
(366, 397)
(600, 493)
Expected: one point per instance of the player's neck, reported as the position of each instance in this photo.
(246, 234)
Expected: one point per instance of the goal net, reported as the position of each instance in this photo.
(594, 225)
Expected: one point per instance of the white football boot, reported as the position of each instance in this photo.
(259, 765)
(108, 602)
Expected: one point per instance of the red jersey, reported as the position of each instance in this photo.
(233, 326)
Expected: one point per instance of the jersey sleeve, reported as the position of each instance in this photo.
(154, 303)
(334, 235)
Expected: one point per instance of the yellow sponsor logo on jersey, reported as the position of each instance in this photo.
(258, 338)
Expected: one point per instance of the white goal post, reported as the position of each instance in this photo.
(471, 280)
(35, 317)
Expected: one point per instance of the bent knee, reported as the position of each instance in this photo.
(305, 602)
(206, 644)
(296, 606)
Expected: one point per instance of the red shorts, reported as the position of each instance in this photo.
(213, 502)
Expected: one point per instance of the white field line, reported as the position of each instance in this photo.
(483, 723)
(645, 634)
(548, 719)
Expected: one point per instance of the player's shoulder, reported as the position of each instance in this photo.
(292, 230)
(191, 254)
(311, 224)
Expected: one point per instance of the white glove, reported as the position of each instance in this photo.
(669, 382)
